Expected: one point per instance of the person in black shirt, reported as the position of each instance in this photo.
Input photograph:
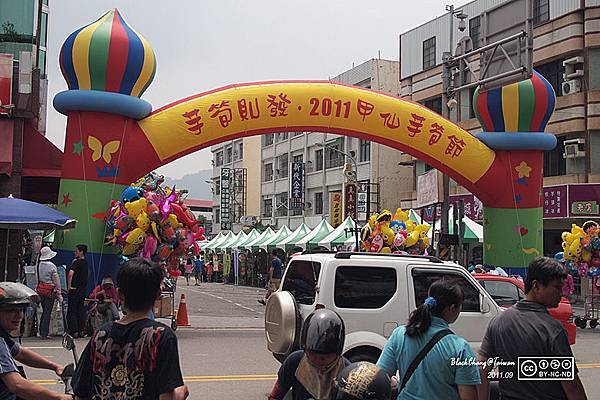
(134, 358)
(527, 330)
(77, 279)
(275, 274)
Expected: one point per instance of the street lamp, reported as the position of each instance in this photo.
(355, 229)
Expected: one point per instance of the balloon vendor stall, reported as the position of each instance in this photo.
(151, 221)
(387, 233)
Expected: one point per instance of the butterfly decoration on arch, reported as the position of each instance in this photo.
(105, 150)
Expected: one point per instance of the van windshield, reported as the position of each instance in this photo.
(301, 280)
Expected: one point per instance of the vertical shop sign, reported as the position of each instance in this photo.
(350, 200)
(296, 186)
(225, 199)
(336, 208)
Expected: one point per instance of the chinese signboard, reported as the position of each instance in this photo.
(584, 200)
(336, 208)
(555, 201)
(225, 198)
(473, 206)
(350, 200)
(296, 186)
(429, 189)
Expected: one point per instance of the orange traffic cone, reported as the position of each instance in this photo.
(182, 314)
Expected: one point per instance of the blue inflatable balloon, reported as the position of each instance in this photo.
(560, 256)
(132, 194)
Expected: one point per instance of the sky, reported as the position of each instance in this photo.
(202, 45)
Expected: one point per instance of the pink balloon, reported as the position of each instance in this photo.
(150, 246)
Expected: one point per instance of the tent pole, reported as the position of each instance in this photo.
(6, 255)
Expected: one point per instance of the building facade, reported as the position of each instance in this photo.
(566, 49)
(377, 169)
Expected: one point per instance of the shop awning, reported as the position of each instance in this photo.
(315, 236)
(473, 230)
(271, 243)
(41, 158)
(289, 242)
(266, 235)
(343, 235)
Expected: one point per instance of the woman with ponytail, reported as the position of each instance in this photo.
(432, 362)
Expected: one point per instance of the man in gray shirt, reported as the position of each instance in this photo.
(527, 329)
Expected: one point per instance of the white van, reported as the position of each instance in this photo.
(374, 293)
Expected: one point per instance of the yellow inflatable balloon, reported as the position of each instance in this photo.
(388, 235)
(412, 239)
(400, 215)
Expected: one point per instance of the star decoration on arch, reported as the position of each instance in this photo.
(66, 199)
(523, 170)
(78, 148)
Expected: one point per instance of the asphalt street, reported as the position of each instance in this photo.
(223, 354)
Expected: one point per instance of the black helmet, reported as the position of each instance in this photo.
(323, 332)
(363, 381)
(12, 293)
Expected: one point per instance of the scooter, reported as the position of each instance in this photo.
(69, 370)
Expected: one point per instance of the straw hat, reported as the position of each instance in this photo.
(46, 253)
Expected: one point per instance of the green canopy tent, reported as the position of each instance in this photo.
(239, 239)
(269, 245)
(255, 244)
(414, 216)
(216, 240)
(289, 242)
(225, 244)
(315, 236)
(473, 230)
(343, 235)
(250, 238)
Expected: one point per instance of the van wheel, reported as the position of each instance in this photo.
(364, 354)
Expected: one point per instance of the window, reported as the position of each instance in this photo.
(301, 280)
(282, 166)
(364, 287)
(296, 134)
(434, 104)
(43, 29)
(429, 53)
(282, 137)
(553, 72)
(281, 200)
(42, 61)
(541, 11)
(217, 187)
(268, 172)
(241, 151)
(298, 159)
(475, 31)
(505, 294)
(217, 215)
(423, 279)
(267, 139)
(319, 160)
(364, 151)
(267, 207)
(554, 162)
(319, 203)
(228, 155)
(333, 157)
(218, 158)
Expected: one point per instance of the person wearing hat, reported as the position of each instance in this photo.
(107, 301)
(48, 288)
(363, 381)
(14, 297)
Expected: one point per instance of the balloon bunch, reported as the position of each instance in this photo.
(581, 249)
(152, 222)
(394, 234)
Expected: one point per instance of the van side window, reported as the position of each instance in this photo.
(301, 280)
(504, 293)
(423, 279)
(361, 287)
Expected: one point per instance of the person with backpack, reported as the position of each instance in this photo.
(426, 349)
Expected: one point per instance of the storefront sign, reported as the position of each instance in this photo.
(555, 201)
(429, 190)
(336, 208)
(584, 200)
(350, 200)
(225, 199)
(473, 206)
(296, 187)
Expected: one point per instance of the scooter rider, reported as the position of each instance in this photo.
(310, 372)
(14, 297)
(363, 381)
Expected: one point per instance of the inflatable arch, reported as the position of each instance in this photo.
(113, 137)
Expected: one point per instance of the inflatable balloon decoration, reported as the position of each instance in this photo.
(581, 249)
(152, 222)
(394, 234)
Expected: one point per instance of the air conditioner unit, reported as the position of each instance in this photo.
(572, 151)
(308, 205)
(572, 86)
